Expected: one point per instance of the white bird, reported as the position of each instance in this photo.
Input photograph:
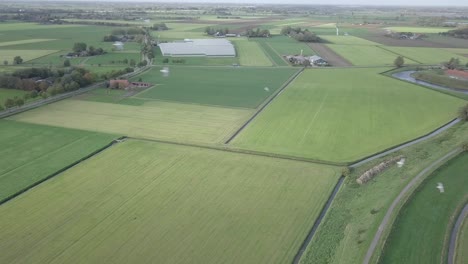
(165, 71)
(440, 186)
(401, 163)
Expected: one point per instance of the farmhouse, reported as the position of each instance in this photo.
(198, 48)
(123, 84)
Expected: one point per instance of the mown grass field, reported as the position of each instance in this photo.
(17, 42)
(27, 55)
(357, 211)
(141, 202)
(250, 53)
(366, 55)
(462, 244)
(420, 29)
(430, 55)
(427, 215)
(223, 86)
(33, 152)
(153, 120)
(327, 114)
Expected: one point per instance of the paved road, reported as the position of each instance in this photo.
(398, 199)
(406, 76)
(455, 233)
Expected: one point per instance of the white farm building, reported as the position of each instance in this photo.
(198, 47)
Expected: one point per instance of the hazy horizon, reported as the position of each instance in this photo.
(435, 3)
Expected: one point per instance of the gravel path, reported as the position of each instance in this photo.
(398, 199)
(455, 233)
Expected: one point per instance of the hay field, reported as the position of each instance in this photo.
(342, 115)
(427, 215)
(348, 40)
(420, 29)
(25, 41)
(33, 152)
(430, 55)
(141, 202)
(362, 55)
(26, 55)
(154, 120)
(250, 53)
(222, 86)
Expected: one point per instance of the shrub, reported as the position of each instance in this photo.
(371, 173)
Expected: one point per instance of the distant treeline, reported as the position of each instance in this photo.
(299, 34)
(457, 33)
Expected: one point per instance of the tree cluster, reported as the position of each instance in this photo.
(159, 26)
(79, 48)
(457, 33)
(257, 33)
(399, 61)
(299, 34)
(44, 82)
(115, 73)
(211, 31)
(453, 64)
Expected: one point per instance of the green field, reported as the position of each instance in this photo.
(279, 46)
(348, 40)
(154, 120)
(224, 86)
(327, 114)
(33, 152)
(462, 244)
(11, 43)
(362, 55)
(420, 29)
(250, 53)
(142, 202)
(427, 216)
(430, 55)
(357, 210)
(10, 93)
(113, 58)
(26, 55)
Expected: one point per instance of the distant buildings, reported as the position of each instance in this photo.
(303, 60)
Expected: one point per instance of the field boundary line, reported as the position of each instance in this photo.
(323, 212)
(408, 143)
(454, 235)
(381, 47)
(228, 148)
(278, 92)
(113, 142)
(405, 194)
(275, 51)
(268, 55)
(28, 62)
(51, 152)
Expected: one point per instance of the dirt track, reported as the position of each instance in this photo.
(329, 55)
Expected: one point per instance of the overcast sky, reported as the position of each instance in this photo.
(328, 2)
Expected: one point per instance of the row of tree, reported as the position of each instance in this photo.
(81, 47)
(211, 31)
(159, 26)
(257, 33)
(300, 34)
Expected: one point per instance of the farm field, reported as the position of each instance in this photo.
(153, 120)
(430, 55)
(17, 42)
(357, 210)
(431, 212)
(113, 58)
(462, 244)
(10, 93)
(34, 152)
(222, 86)
(311, 118)
(215, 205)
(419, 29)
(278, 46)
(250, 53)
(348, 40)
(26, 55)
(362, 55)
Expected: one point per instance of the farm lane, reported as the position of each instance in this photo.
(454, 234)
(398, 199)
